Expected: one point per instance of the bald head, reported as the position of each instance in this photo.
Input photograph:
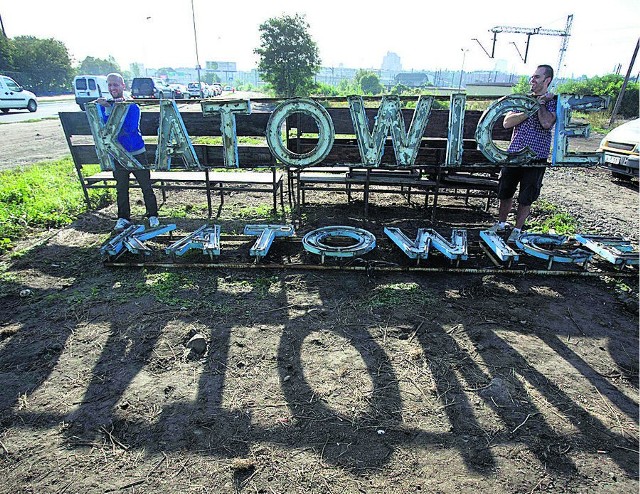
(115, 84)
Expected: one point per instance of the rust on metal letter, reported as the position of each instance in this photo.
(173, 140)
(389, 120)
(326, 132)
(455, 137)
(406, 145)
(565, 128)
(227, 111)
(515, 102)
(105, 137)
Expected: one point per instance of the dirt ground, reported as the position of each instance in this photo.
(312, 380)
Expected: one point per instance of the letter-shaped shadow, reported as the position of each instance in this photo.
(204, 425)
(129, 344)
(338, 438)
(624, 404)
(458, 409)
(585, 422)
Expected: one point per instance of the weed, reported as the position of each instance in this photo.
(264, 211)
(262, 285)
(548, 218)
(43, 195)
(395, 295)
(164, 286)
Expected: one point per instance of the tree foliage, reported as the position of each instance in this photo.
(44, 64)
(98, 66)
(368, 81)
(608, 86)
(137, 70)
(289, 57)
(6, 60)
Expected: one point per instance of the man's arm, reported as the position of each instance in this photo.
(131, 122)
(513, 118)
(546, 118)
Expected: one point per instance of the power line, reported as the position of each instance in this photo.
(532, 31)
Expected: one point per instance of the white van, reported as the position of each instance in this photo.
(89, 88)
(15, 97)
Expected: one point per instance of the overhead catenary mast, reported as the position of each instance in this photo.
(531, 31)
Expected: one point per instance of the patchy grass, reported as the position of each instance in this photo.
(549, 218)
(42, 195)
(395, 295)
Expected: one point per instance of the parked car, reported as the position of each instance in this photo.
(620, 150)
(150, 87)
(14, 97)
(198, 90)
(89, 88)
(217, 89)
(180, 91)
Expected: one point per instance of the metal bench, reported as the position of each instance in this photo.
(339, 171)
(258, 172)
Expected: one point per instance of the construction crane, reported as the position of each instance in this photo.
(531, 31)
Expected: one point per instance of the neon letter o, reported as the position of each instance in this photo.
(326, 133)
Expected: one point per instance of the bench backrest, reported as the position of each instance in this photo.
(432, 149)
(300, 130)
(80, 140)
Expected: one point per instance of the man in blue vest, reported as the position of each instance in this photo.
(528, 131)
(130, 138)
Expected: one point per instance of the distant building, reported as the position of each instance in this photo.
(333, 75)
(490, 89)
(412, 79)
(391, 62)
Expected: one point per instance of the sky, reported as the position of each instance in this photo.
(425, 35)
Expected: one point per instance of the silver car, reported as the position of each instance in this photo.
(620, 150)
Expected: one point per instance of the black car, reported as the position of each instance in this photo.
(150, 88)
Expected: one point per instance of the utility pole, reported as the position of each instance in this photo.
(624, 84)
(195, 36)
(532, 31)
(563, 47)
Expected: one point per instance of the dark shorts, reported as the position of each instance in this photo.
(529, 178)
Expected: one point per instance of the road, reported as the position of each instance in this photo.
(47, 108)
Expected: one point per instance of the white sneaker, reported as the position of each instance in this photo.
(154, 221)
(514, 236)
(121, 224)
(498, 227)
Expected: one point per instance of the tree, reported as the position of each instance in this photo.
(45, 64)
(166, 73)
(368, 81)
(99, 66)
(289, 58)
(137, 70)
(608, 85)
(6, 63)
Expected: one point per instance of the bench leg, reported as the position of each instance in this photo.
(290, 180)
(164, 192)
(206, 177)
(221, 199)
(366, 194)
(281, 186)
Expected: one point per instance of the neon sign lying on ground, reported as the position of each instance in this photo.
(174, 142)
(350, 242)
